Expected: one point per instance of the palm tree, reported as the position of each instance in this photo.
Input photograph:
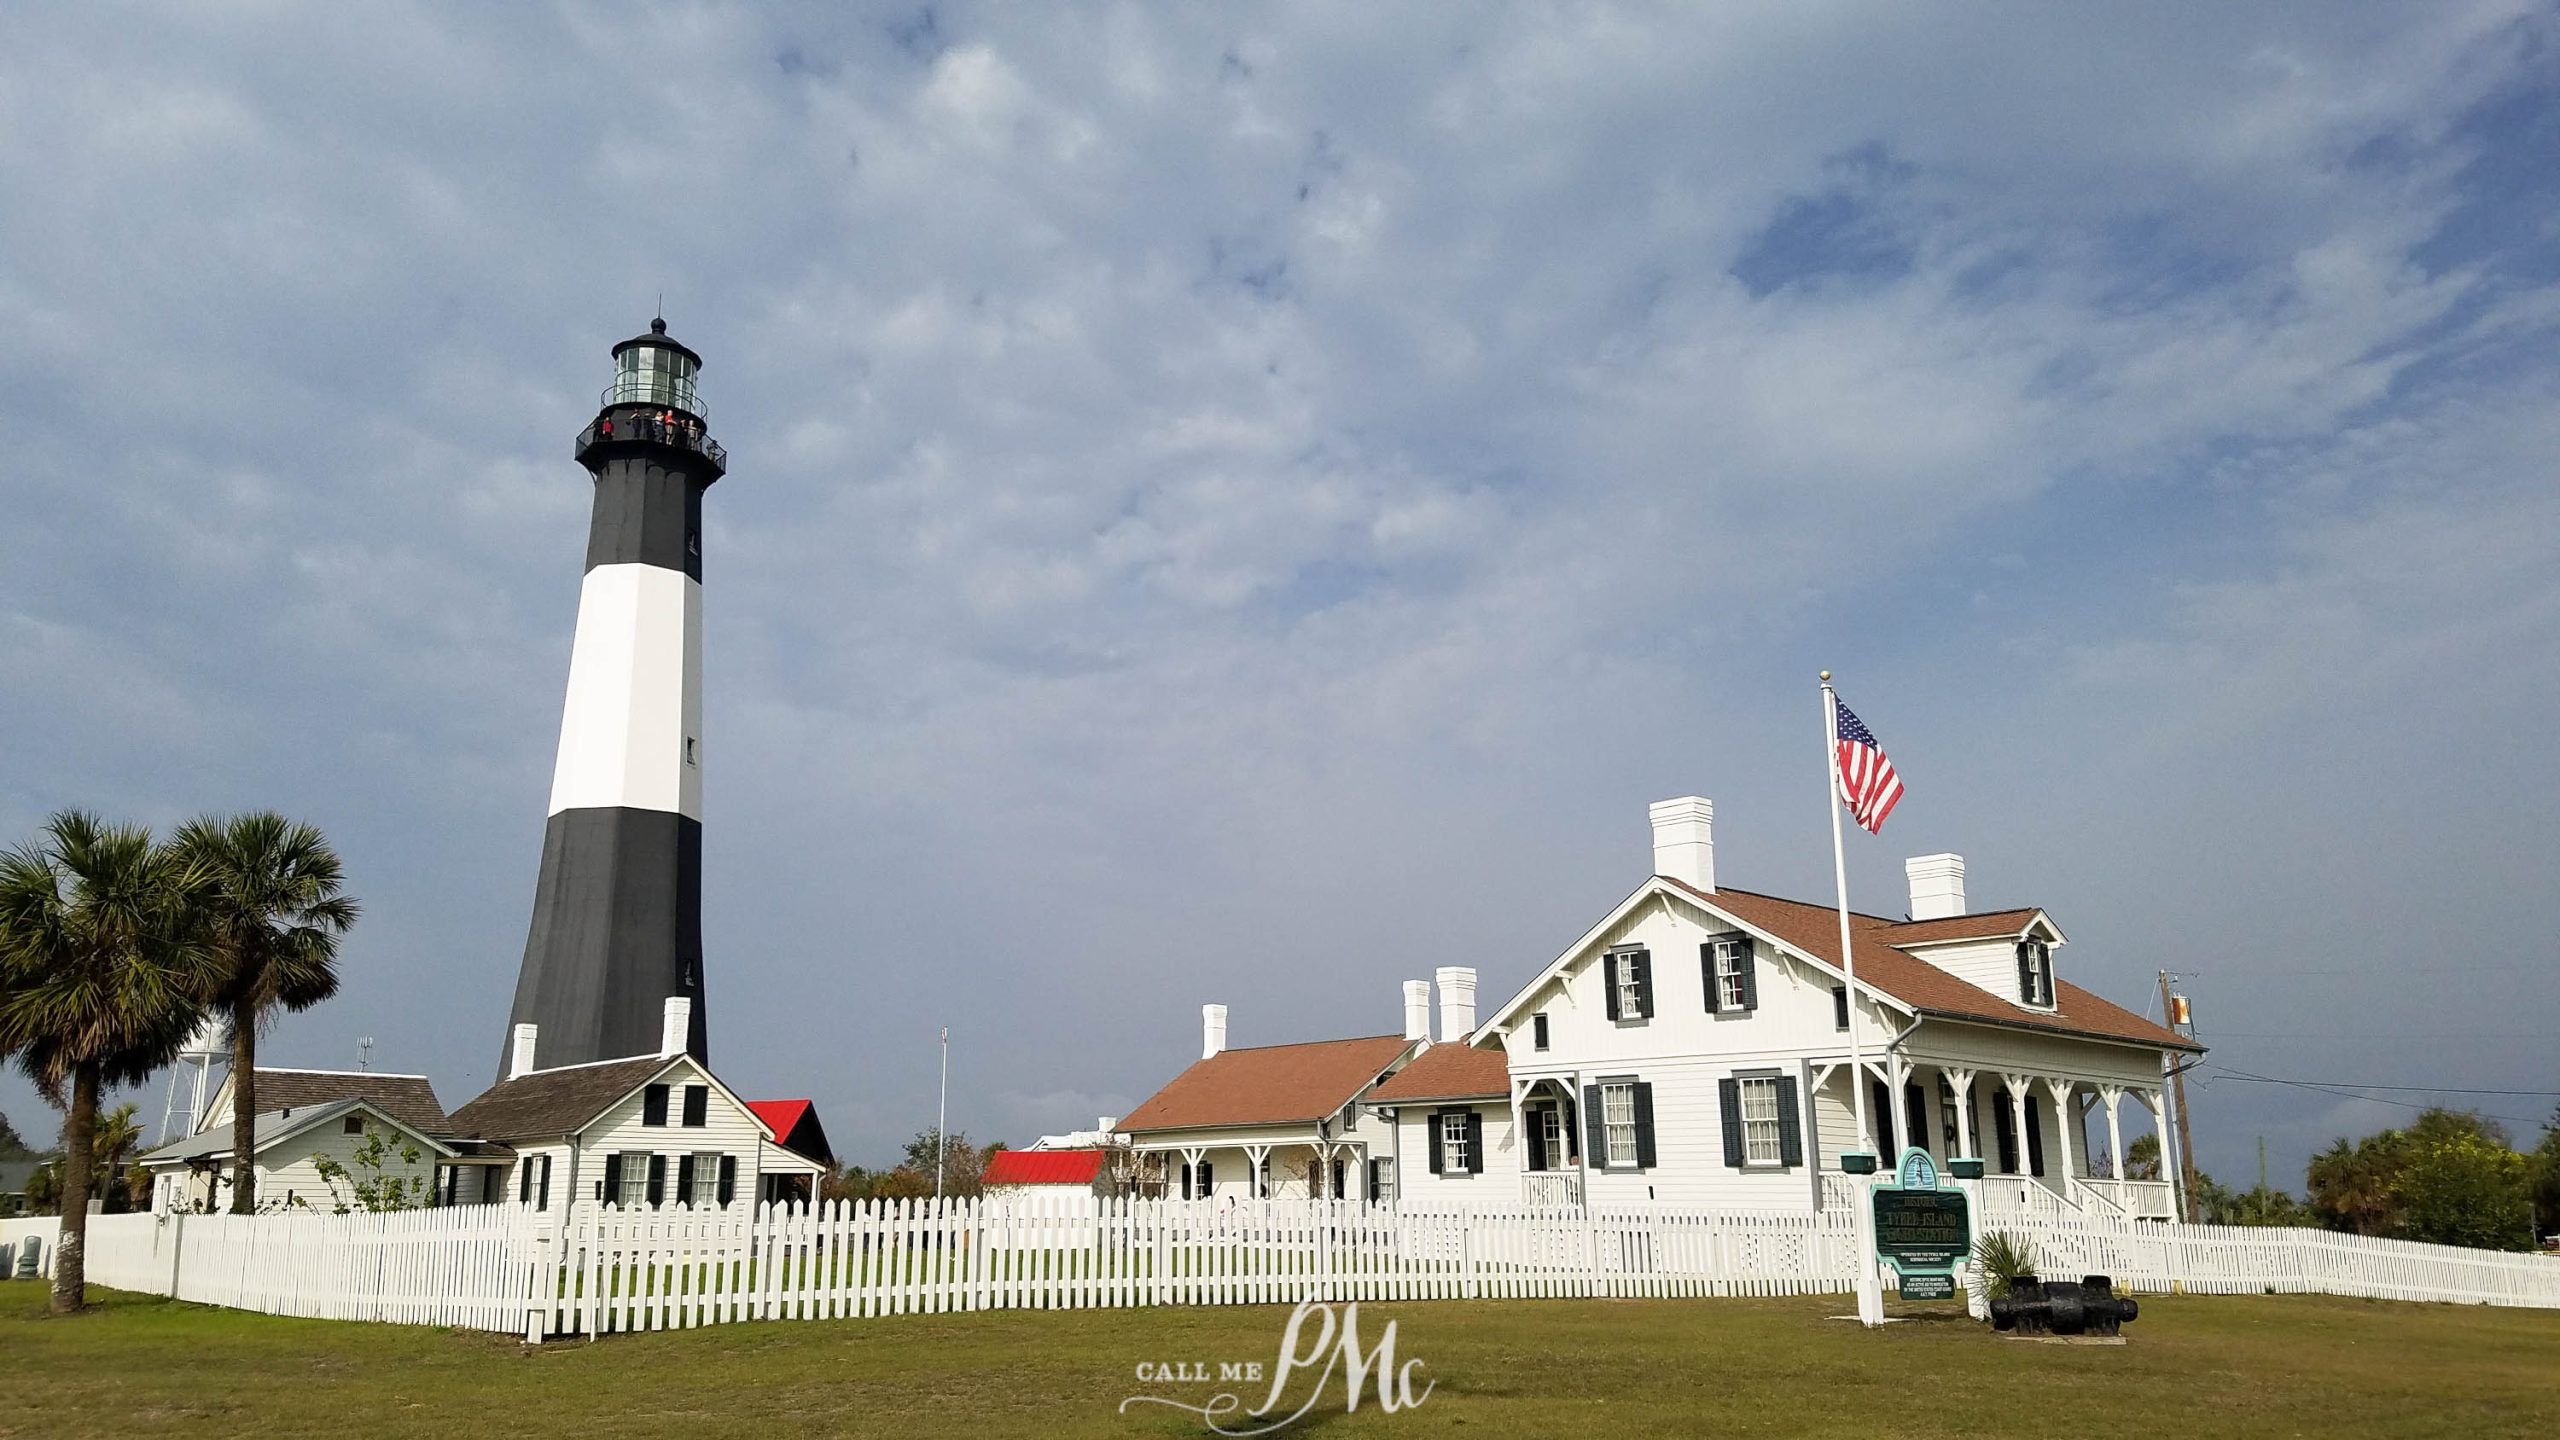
(117, 1131)
(273, 910)
(101, 979)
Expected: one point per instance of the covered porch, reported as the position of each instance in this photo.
(2030, 1126)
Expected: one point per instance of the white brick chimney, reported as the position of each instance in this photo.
(521, 1063)
(678, 1026)
(1213, 1030)
(1417, 1009)
(1684, 841)
(1457, 1002)
(1937, 886)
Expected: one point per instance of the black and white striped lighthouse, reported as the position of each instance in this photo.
(617, 915)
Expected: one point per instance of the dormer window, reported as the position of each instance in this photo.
(2035, 974)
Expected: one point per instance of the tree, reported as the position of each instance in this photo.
(2450, 1178)
(273, 906)
(102, 975)
(117, 1132)
(371, 1182)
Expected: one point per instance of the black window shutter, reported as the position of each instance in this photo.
(653, 1105)
(697, 1105)
(728, 1178)
(1609, 984)
(1439, 1124)
(1729, 1100)
(657, 1179)
(1707, 973)
(1750, 976)
(611, 1191)
(1840, 1007)
(1790, 1123)
(1475, 1142)
(684, 1181)
(1643, 961)
(542, 1192)
(1537, 1140)
(1595, 1136)
(1644, 1125)
(2035, 1134)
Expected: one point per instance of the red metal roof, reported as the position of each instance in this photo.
(779, 1115)
(1044, 1167)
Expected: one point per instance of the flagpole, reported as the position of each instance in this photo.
(1870, 1291)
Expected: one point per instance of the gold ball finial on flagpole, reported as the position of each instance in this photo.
(1826, 675)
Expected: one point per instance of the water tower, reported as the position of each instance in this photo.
(193, 1072)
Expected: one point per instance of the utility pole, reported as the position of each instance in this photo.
(2178, 1078)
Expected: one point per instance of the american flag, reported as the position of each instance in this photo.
(1868, 785)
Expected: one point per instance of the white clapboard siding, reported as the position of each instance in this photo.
(605, 1270)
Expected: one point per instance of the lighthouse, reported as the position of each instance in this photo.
(616, 941)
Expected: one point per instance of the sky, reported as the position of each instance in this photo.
(1249, 504)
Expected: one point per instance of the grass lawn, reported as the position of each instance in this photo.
(2196, 1367)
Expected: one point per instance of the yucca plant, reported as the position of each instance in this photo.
(2004, 1257)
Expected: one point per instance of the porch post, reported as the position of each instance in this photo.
(2066, 1120)
(2110, 1094)
(2018, 1120)
(1961, 1081)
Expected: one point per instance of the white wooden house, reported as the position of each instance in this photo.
(307, 1117)
(647, 1130)
(1693, 1044)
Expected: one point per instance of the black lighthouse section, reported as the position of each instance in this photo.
(617, 928)
(617, 912)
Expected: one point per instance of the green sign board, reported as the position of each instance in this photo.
(1922, 1229)
(1928, 1285)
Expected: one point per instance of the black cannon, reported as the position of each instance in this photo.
(2058, 1307)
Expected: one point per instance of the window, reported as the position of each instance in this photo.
(1629, 974)
(1729, 963)
(1839, 1007)
(1453, 1143)
(1618, 1120)
(635, 1180)
(1551, 1137)
(697, 1105)
(1538, 1031)
(2035, 973)
(706, 1179)
(1761, 1144)
(653, 1105)
(354, 1125)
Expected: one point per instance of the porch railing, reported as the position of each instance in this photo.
(1558, 1187)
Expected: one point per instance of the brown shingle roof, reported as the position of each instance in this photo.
(1268, 1085)
(408, 1099)
(1989, 925)
(1449, 1072)
(1815, 930)
(554, 1102)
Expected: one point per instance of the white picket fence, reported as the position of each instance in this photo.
(607, 1270)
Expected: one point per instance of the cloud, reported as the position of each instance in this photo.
(1248, 507)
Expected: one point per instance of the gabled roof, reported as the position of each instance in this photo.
(1989, 925)
(1044, 1167)
(409, 1099)
(556, 1102)
(1813, 931)
(273, 1127)
(1449, 1072)
(1268, 1085)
